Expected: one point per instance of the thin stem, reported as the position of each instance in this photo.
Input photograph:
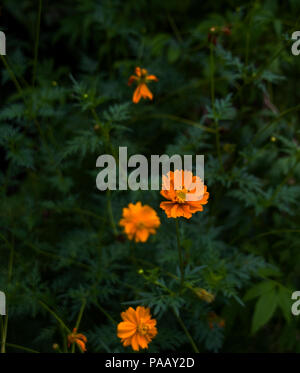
(212, 94)
(22, 348)
(247, 47)
(179, 253)
(55, 316)
(182, 120)
(279, 231)
(268, 125)
(37, 38)
(12, 76)
(4, 334)
(105, 313)
(79, 320)
(174, 28)
(110, 213)
(195, 348)
(212, 81)
(80, 314)
(55, 256)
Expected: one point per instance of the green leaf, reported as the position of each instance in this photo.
(259, 289)
(284, 302)
(264, 310)
(269, 272)
(173, 53)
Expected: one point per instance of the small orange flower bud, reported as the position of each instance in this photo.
(142, 79)
(77, 338)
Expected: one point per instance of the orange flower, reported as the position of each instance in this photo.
(77, 338)
(214, 319)
(215, 31)
(142, 78)
(139, 221)
(180, 204)
(137, 328)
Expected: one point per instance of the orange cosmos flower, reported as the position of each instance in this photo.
(137, 328)
(142, 78)
(139, 221)
(77, 338)
(179, 203)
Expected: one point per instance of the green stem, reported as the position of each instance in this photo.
(110, 213)
(55, 316)
(4, 334)
(268, 125)
(37, 38)
(180, 254)
(182, 120)
(195, 348)
(12, 76)
(279, 231)
(79, 320)
(105, 313)
(80, 314)
(212, 81)
(212, 94)
(22, 348)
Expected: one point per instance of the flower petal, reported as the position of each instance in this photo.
(137, 94)
(151, 77)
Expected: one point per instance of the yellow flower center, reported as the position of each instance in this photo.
(140, 225)
(181, 195)
(143, 329)
(143, 77)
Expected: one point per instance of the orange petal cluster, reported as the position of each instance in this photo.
(214, 319)
(215, 31)
(137, 328)
(139, 221)
(178, 204)
(77, 338)
(142, 90)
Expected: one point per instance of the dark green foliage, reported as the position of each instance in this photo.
(236, 102)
